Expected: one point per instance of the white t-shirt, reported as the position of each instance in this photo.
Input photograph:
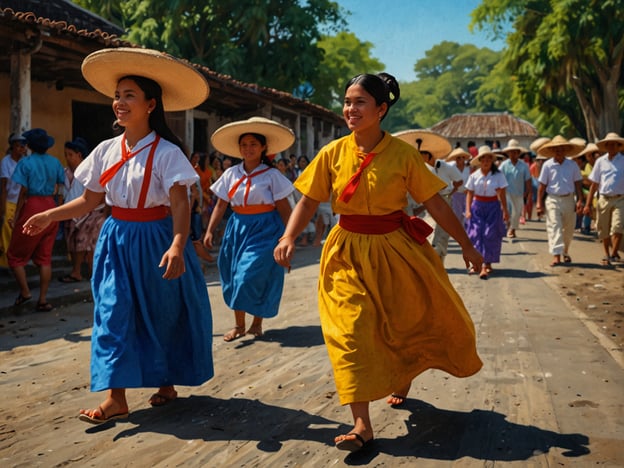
(447, 173)
(170, 166)
(7, 167)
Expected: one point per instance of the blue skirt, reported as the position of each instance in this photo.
(486, 229)
(250, 278)
(147, 331)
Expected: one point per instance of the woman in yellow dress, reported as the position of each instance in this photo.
(387, 308)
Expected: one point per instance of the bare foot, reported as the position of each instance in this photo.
(234, 333)
(255, 330)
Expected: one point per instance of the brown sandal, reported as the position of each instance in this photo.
(234, 333)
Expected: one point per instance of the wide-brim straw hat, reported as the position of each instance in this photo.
(483, 151)
(426, 140)
(550, 149)
(612, 136)
(183, 87)
(514, 145)
(458, 152)
(578, 141)
(278, 136)
(538, 143)
(589, 149)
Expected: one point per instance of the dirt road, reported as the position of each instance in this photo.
(551, 391)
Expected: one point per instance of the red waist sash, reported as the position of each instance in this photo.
(383, 224)
(486, 199)
(140, 214)
(252, 209)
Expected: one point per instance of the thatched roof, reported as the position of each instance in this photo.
(487, 125)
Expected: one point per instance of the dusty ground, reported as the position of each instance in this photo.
(549, 394)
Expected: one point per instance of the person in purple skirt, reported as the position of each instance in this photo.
(486, 209)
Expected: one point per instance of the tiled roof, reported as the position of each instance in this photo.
(65, 13)
(485, 125)
(68, 33)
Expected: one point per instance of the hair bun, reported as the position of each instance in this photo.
(394, 92)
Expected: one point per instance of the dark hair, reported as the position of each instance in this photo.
(383, 87)
(79, 145)
(263, 141)
(157, 120)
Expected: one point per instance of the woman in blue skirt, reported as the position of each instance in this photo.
(152, 320)
(257, 192)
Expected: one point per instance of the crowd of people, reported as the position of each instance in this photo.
(387, 308)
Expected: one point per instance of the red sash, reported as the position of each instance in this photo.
(383, 224)
(248, 185)
(354, 181)
(109, 173)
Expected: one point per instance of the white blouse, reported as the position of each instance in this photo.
(170, 166)
(266, 188)
(485, 185)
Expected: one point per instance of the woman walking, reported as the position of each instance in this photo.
(251, 281)
(486, 209)
(152, 320)
(388, 310)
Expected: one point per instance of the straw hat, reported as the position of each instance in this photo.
(426, 140)
(612, 136)
(457, 152)
(538, 143)
(589, 149)
(578, 141)
(483, 151)
(278, 136)
(183, 87)
(514, 145)
(549, 151)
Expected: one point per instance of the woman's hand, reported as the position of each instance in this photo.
(174, 262)
(284, 251)
(472, 257)
(208, 237)
(35, 224)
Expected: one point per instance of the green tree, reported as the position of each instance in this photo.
(566, 57)
(344, 56)
(450, 80)
(270, 42)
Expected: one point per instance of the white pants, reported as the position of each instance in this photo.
(440, 236)
(516, 204)
(560, 221)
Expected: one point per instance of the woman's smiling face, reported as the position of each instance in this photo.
(360, 110)
(129, 104)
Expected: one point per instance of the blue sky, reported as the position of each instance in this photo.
(403, 30)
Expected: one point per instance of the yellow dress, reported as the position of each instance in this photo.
(387, 308)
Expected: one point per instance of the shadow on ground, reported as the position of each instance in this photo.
(432, 433)
(439, 434)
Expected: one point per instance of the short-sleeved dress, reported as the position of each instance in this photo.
(387, 308)
(147, 331)
(250, 279)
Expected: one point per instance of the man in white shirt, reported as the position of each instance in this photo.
(9, 192)
(607, 178)
(453, 179)
(560, 178)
